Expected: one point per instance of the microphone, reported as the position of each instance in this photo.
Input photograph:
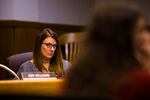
(9, 70)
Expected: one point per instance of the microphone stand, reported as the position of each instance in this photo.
(9, 70)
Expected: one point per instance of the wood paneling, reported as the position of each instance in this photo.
(6, 43)
(24, 39)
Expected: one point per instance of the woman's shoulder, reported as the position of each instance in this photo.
(139, 75)
(26, 63)
(136, 84)
(65, 61)
(66, 64)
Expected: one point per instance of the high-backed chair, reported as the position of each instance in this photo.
(14, 61)
(70, 45)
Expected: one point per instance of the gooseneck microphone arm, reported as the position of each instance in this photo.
(9, 70)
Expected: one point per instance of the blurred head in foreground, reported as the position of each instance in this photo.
(108, 51)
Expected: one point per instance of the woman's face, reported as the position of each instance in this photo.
(142, 38)
(48, 47)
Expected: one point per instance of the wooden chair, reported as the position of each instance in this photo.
(70, 45)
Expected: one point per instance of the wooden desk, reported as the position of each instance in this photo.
(31, 87)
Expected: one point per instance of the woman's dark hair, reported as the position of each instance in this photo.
(112, 28)
(108, 49)
(56, 60)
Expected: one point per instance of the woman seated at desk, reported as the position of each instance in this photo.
(46, 56)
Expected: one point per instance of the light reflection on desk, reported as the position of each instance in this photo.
(50, 87)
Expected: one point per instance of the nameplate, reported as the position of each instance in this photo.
(38, 75)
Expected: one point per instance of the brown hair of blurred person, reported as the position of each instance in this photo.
(108, 52)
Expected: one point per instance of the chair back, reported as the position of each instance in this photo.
(14, 61)
(70, 45)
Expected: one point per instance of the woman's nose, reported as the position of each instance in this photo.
(52, 49)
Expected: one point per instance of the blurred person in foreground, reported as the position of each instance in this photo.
(46, 56)
(109, 63)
